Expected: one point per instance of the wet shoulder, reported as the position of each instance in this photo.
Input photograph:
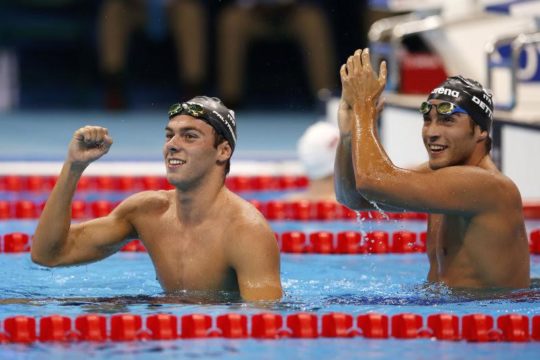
(146, 201)
(244, 217)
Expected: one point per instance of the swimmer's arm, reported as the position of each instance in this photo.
(344, 178)
(57, 242)
(460, 190)
(255, 258)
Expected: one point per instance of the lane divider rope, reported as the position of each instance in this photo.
(134, 327)
(298, 242)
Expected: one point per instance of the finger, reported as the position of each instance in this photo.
(343, 71)
(350, 65)
(382, 72)
(366, 61)
(358, 59)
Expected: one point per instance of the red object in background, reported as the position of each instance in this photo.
(535, 241)
(477, 327)
(20, 329)
(300, 210)
(421, 73)
(293, 242)
(25, 209)
(16, 243)
(373, 326)
(101, 208)
(125, 327)
(377, 242)
(266, 325)
(403, 242)
(322, 242)
(105, 183)
(406, 326)
(535, 335)
(336, 325)
(91, 327)
(232, 326)
(5, 209)
(531, 211)
(14, 183)
(85, 183)
(275, 210)
(303, 325)
(325, 210)
(444, 326)
(348, 242)
(162, 326)
(238, 183)
(54, 328)
(78, 210)
(128, 183)
(514, 327)
(264, 183)
(195, 326)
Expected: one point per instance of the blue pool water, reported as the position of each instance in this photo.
(354, 284)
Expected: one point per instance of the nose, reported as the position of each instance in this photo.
(431, 129)
(173, 144)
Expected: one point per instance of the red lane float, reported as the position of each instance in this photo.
(134, 327)
(297, 242)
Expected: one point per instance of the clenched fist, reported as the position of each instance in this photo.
(88, 144)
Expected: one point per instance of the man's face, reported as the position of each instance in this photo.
(189, 151)
(449, 139)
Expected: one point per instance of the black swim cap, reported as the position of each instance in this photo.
(212, 111)
(469, 95)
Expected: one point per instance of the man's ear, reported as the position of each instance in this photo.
(483, 135)
(224, 151)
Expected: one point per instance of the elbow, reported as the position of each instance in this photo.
(363, 184)
(41, 260)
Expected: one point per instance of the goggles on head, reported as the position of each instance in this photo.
(191, 109)
(443, 108)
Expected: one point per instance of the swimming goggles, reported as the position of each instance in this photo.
(191, 109)
(443, 108)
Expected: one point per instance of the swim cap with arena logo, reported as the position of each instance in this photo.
(469, 95)
(212, 111)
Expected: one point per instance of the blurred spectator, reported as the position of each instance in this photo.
(187, 21)
(317, 151)
(245, 21)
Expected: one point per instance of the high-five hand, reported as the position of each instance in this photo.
(361, 85)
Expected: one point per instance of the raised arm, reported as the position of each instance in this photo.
(344, 176)
(453, 189)
(56, 241)
(255, 258)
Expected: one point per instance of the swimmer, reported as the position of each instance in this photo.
(200, 236)
(476, 236)
(316, 151)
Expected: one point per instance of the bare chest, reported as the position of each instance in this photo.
(188, 258)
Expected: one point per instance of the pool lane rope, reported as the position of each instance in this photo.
(134, 327)
(298, 242)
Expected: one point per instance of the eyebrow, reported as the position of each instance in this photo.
(184, 129)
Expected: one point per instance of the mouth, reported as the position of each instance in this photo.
(436, 148)
(175, 163)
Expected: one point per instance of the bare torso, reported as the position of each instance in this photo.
(482, 251)
(189, 256)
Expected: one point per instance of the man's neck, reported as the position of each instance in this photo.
(196, 203)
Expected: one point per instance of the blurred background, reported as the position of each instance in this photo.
(142, 54)
(121, 63)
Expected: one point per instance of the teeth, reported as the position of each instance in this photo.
(436, 147)
(176, 162)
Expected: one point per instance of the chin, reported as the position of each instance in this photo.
(435, 165)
